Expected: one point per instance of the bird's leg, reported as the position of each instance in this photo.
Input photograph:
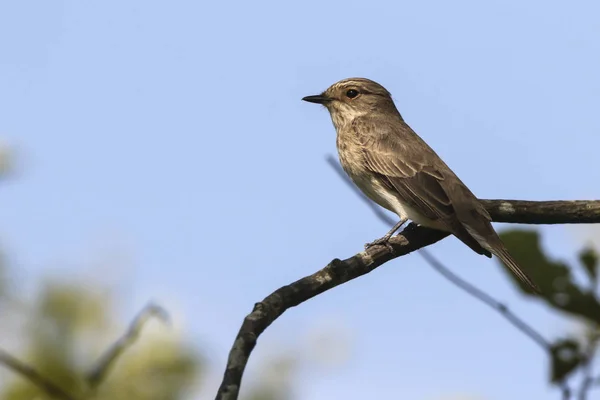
(385, 239)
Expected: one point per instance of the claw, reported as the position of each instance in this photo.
(384, 241)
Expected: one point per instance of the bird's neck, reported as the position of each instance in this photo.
(343, 119)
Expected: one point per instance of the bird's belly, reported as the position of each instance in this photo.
(390, 200)
(352, 163)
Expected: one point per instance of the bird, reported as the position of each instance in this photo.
(398, 170)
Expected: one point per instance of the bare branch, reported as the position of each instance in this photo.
(458, 281)
(446, 272)
(33, 376)
(509, 205)
(106, 362)
(335, 273)
(544, 212)
(338, 272)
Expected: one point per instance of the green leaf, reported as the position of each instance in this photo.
(553, 277)
(566, 357)
(589, 259)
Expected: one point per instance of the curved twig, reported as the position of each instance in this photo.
(109, 358)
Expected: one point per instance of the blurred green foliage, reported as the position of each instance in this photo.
(564, 294)
(65, 324)
(60, 339)
(65, 335)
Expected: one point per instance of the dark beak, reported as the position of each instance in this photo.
(319, 99)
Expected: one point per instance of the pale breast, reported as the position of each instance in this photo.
(352, 160)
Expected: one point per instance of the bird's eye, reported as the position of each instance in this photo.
(352, 93)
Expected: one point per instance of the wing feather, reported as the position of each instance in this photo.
(421, 179)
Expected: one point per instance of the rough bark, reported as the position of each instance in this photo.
(338, 271)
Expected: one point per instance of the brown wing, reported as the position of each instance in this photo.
(414, 171)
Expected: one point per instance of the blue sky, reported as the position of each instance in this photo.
(175, 133)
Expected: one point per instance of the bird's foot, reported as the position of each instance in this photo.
(384, 241)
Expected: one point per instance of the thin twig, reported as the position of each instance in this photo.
(105, 363)
(588, 380)
(33, 376)
(108, 359)
(565, 389)
(487, 299)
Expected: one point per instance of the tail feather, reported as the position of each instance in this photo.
(492, 243)
(510, 262)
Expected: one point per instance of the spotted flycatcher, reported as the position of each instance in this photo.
(395, 168)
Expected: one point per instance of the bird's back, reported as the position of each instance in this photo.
(398, 170)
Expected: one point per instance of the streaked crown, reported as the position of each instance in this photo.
(361, 85)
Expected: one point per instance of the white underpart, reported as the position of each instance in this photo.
(390, 201)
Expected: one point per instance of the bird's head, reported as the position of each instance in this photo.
(354, 97)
